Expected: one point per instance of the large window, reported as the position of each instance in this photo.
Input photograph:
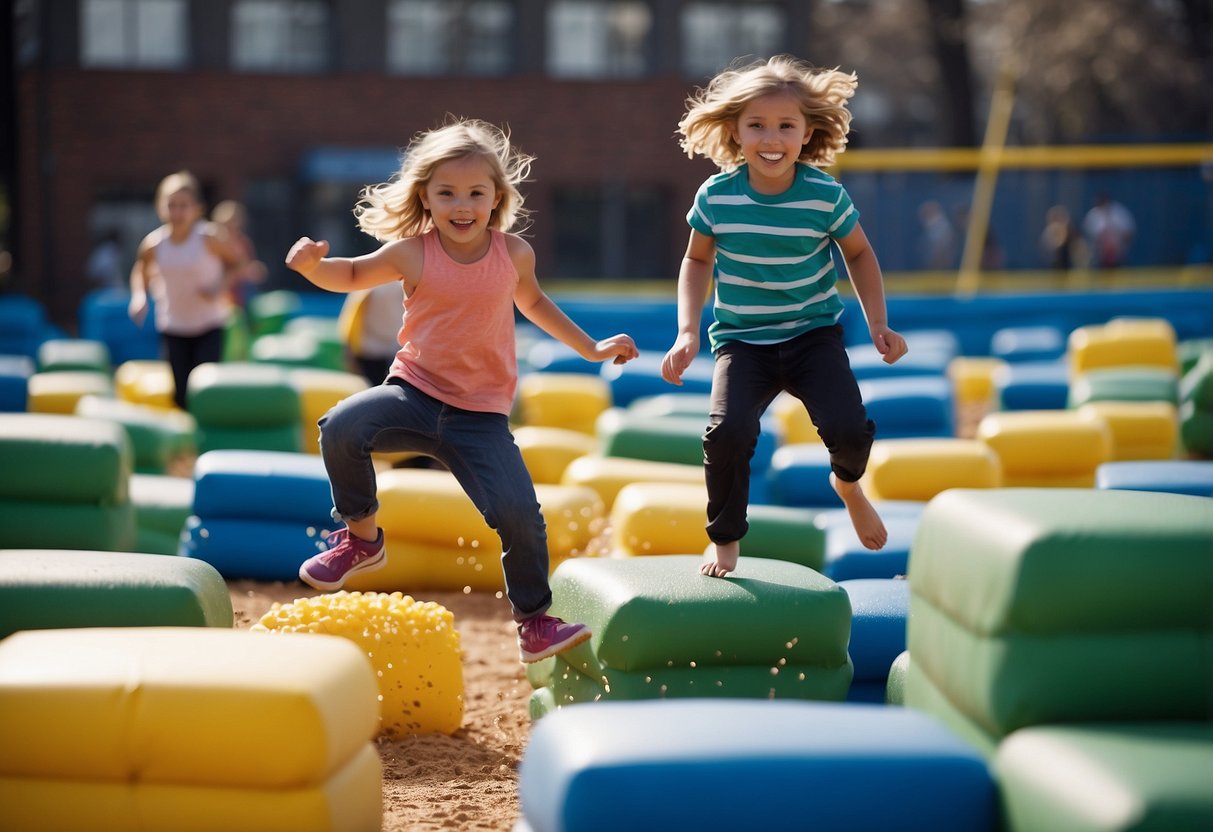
(614, 232)
(716, 34)
(598, 40)
(280, 35)
(436, 37)
(150, 34)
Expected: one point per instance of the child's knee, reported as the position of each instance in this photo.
(731, 436)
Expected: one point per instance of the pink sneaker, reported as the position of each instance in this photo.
(346, 555)
(544, 635)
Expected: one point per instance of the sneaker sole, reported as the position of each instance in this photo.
(556, 649)
(366, 566)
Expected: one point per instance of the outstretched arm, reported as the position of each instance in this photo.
(542, 311)
(864, 271)
(694, 281)
(138, 306)
(400, 258)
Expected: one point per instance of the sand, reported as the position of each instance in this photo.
(466, 781)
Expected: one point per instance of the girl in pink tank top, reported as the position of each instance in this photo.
(444, 221)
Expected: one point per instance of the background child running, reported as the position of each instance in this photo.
(764, 228)
(183, 266)
(444, 221)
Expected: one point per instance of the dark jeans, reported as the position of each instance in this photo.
(479, 450)
(814, 368)
(185, 352)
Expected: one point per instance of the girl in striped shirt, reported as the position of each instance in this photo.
(764, 228)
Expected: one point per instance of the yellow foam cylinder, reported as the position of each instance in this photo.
(659, 518)
(147, 382)
(350, 800)
(1047, 448)
(60, 392)
(318, 391)
(793, 420)
(547, 451)
(413, 646)
(1123, 342)
(1140, 430)
(973, 378)
(918, 469)
(562, 400)
(607, 475)
(182, 705)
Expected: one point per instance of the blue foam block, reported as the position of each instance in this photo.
(259, 550)
(262, 485)
(750, 764)
(1033, 385)
(1175, 476)
(847, 559)
(799, 475)
(879, 608)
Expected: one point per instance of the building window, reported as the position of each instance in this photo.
(598, 40)
(280, 35)
(716, 34)
(615, 231)
(147, 34)
(436, 37)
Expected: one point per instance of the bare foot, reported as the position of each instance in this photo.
(725, 562)
(864, 518)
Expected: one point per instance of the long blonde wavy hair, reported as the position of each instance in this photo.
(821, 93)
(393, 210)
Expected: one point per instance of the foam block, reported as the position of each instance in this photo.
(64, 354)
(145, 381)
(562, 400)
(1140, 430)
(1108, 777)
(607, 475)
(799, 765)
(1040, 448)
(63, 459)
(879, 608)
(59, 392)
(56, 589)
(799, 475)
(918, 469)
(910, 406)
(1176, 476)
(1122, 342)
(262, 485)
(548, 451)
(319, 390)
(1124, 384)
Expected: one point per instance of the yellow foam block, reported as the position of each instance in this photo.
(1122, 342)
(918, 469)
(547, 451)
(182, 705)
(651, 518)
(973, 378)
(429, 506)
(793, 420)
(145, 382)
(608, 474)
(562, 400)
(318, 391)
(349, 800)
(1140, 430)
(1047, 447)
(60, 392)
(413, 646)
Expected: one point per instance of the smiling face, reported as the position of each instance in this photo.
(460, 198)
(771, 131)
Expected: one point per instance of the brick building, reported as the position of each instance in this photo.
(292, 105)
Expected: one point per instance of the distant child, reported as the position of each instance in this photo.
(444, 221)
(233, 216)
(183, 265)
(763, 228)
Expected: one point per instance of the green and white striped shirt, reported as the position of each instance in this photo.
(775, 275)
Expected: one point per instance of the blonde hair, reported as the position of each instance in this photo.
(182, 180)
(393, 210)
(821, 93)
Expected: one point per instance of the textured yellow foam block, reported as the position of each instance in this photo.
(793, 420)
(973, 378)
(1047, 447)
(60, 392)
(182, 706)
(145, 382)
(608, 474)
(349, 800)
(1121, 342)
(918, 469)
(547, 451)
(1140, 430)
(318, 391)
(659, 518)
(413, 646)
(429, 506)
(562, 400)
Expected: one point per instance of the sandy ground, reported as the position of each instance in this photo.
(467, 781)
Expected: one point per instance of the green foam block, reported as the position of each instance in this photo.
(55, 589)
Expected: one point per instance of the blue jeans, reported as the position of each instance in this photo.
(814, 368)
(479, 450)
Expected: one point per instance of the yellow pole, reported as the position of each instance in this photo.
(1001, 104)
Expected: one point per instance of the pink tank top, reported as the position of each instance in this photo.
(457, 342)
(189, 294)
